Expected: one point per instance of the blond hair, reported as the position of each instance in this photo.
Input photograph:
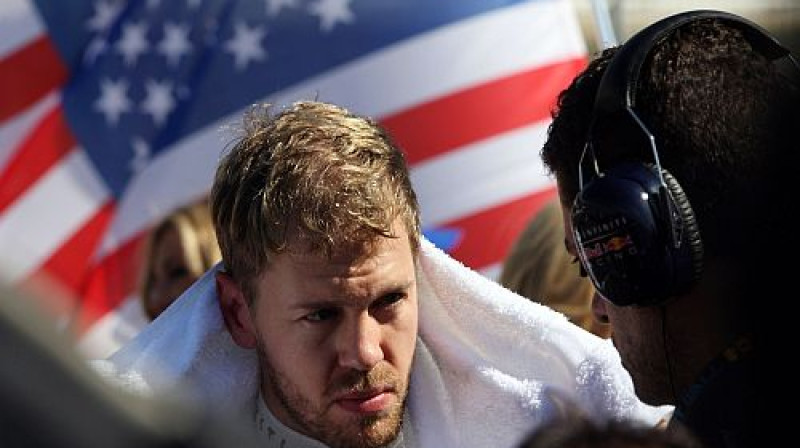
(314, 172)
(195, 229)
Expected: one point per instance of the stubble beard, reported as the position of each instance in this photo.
(368, 432)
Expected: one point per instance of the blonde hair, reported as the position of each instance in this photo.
(540, 268)
(195, 229)
(313, 172)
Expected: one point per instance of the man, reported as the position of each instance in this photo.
(330, 302)
(670, 153)
(332, 322)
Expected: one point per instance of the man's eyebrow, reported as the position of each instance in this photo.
(334, 302)
(399, 286)
(318, 304)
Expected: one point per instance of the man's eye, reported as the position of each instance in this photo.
(389, 299)
(321, 315)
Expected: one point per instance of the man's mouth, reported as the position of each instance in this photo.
(367, 402)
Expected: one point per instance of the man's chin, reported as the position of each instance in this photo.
(374, 431)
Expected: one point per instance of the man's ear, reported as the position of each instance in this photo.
(235, 311)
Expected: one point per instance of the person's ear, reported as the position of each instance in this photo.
(235, 311)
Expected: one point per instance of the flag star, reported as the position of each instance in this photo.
(331, 12)
(113, 100)
(246, 45)
(96, 47)
(141, 154)
(153, 4)
(104, 15)
(192, 4)
(133, 42)
(274, 6)
(175, 43)
(158, 101)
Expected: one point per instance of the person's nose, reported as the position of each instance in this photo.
(360, 343)
(599, 308)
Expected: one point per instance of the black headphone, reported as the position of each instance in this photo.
(634, 228)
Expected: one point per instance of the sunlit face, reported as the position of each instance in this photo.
(637, 334)
(336, 341)
(170, 274)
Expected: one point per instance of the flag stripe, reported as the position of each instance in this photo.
(19, 24)
(473, 114)
(500, 169)
(13, 132)
(39, 57)
(48, 143)
(49, 213)
(109, 283)
(70, 263)
(496, 229)
(434, 64)
(115, 327)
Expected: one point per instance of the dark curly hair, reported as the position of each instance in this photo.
(722, 115)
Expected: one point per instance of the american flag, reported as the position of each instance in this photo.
(113, 113)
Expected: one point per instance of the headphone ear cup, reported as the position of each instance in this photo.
(690, 231)
(636, 235)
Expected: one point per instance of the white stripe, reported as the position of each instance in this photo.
(481, 175)
(48, 214)
(15, 130)
(474, 51)
(114, 329)
(19, 24)
(176, 177)
(411, 72)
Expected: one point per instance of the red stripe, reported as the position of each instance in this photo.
(433, 128)
(488, 235)
(28, 74)
(70, 263)
(40, 150)
(109, 282)
(58, 281)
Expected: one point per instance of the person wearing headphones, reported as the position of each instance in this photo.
(670, 154)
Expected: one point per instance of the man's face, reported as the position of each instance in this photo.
(637, 334)
(336, 339)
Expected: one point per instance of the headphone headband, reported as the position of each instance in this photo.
(633, 225)
(621, 79)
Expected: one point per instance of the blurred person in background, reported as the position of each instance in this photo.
(180, 249)
(540, 268)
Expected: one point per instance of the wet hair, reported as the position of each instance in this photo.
(312, 177)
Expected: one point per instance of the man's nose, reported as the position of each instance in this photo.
(359, 343)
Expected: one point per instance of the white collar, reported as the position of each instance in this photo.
(279, 435)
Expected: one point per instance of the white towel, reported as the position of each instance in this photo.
(490, 365)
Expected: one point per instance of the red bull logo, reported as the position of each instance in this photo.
(617, 243)
(611, 245)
